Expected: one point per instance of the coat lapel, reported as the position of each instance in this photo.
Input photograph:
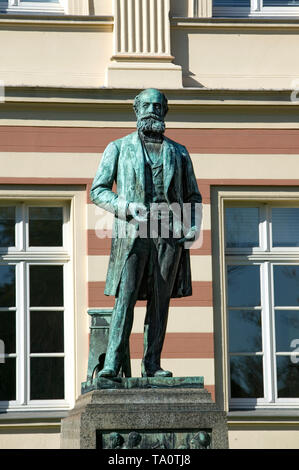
(168, 163)
(137, 159)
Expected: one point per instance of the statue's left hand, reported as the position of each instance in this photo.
(190, 237)
(138, 211)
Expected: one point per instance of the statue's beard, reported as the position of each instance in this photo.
(151, 126)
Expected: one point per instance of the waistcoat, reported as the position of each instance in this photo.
(154, 179)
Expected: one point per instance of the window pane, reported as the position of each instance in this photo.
(287, 329)
(46, 332)
(46, 378)
(245, 331)
(39, 1)
(7, 286)
(7, 226)
(8, 380)
(246, 374)
(287, 377)
(46, 286)
(280, 3)
(242, 227)
(285, 227)
(243, 286)
(8, 331)
(286, 285)
(45, 226)
(231, 3)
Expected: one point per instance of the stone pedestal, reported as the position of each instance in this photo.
(152, 73)
(145, 413)
(98, 341)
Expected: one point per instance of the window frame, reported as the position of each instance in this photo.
(22, 257)
(222, 198)
(42, 7)
(256, 10)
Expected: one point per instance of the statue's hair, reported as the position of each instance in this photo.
(137, 100)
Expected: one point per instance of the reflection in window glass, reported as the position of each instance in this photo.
(46, 378)
(263, 304)
(244, 286)
(39, 1)
(7, 286)
(287, 377)
(285, 227)
(286, 285)
(246, 375)
(245, 331)
(246, 3)
(286, 329)
(280, 3)
(45, 226)
(8, 331)
(242, 227)
(46, 332)
(32, 337)
(7, 226)
(231, 3)
(8, 380)
(46, 286)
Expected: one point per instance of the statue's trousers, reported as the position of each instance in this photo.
(157, 260)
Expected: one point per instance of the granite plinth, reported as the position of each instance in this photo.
(176, 412)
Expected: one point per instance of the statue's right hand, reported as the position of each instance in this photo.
(138, 211)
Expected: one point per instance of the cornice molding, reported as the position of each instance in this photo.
(56, 21)
(183, 97)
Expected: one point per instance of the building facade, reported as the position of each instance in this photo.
(69, 72)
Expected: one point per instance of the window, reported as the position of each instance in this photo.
(32, 6)
(262, 304)
(35, 310)
(255, 8)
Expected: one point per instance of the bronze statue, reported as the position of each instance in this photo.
(116, 440)
(149, 254)
(134, 440)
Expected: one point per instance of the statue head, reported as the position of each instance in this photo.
(201, 440)
(134, 439)
(116, 440)
(151, 108)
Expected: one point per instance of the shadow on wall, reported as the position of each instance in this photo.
(179, 8)
(91, 7)
(181, 51)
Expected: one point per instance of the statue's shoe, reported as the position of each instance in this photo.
(157, 373)
(106, 372)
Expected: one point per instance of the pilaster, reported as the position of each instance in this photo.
(200, 8)
(76, 7)
(142, 49)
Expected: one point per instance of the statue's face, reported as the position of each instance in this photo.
(151, 104)
(115, 440)
(150, 113)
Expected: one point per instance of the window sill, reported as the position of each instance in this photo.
(48, 20)
(263, 414)
(234, 22)
(24, 11)
(32, 417)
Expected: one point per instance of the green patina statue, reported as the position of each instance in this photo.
(157, 209)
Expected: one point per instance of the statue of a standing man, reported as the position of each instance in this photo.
(150, 171)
